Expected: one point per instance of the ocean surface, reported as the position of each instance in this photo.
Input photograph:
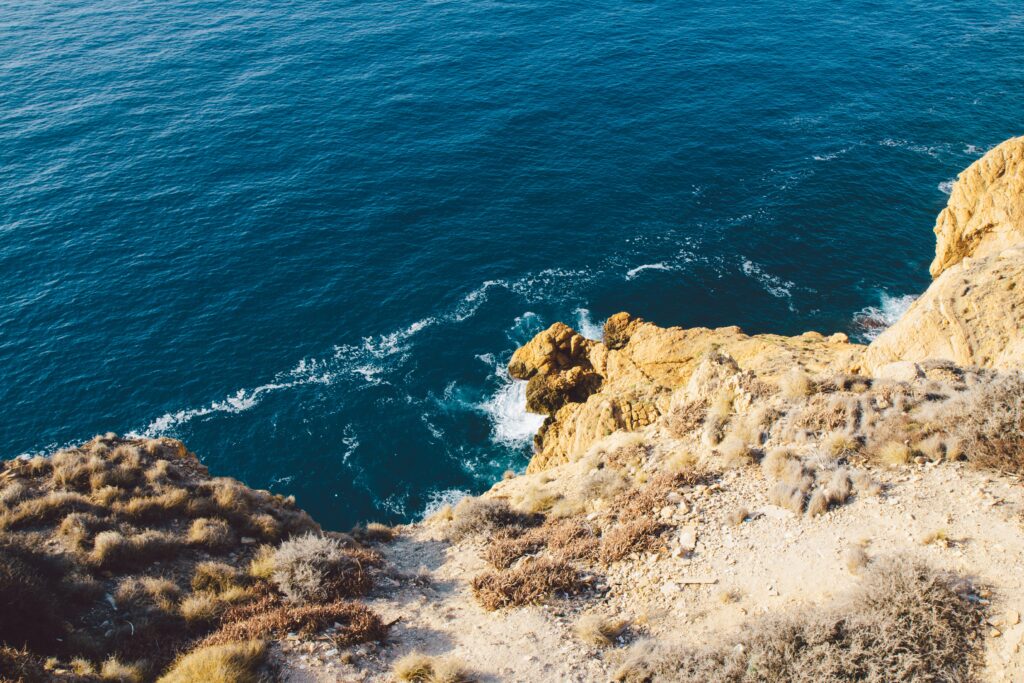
(306, 237)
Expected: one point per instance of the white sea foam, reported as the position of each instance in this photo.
(511, 425)
(438, 499)
(633, 272)
(774, 285)
(831, 155)
(871, 321)
(946, 186)
(587, 327)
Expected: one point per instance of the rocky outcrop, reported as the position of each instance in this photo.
(590, 389)
(973, 314)
(985, 213)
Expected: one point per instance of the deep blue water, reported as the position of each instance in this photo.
(304, 237)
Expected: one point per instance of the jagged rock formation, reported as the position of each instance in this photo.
(590, 389)
(985, 213)
(972, 315)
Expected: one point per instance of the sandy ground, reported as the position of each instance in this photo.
(775, 562)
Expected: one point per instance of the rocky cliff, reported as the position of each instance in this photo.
(972, 314)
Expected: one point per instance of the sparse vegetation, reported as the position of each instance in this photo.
(907, 622)
(475, 516)
(111, 509)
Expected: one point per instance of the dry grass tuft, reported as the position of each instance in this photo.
(213, 534)
(228, 663)
(775, 463)
(795, 384)
(532, 582)
(375, 532)
(839, 445)
(893, 454)
(856, 559)
(475, 516)
(735, 452)
(599, 630)
(215, 577)
(787, 496)
(936, 537)
(118, 672)
(416, 667)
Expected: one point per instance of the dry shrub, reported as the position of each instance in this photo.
(416, 667)
(262, 564)
(988, 423)
(864, 484)
(315, 568)
(213, 534)
(569, 539)
(227, 663)
(266, 618)
(603, 484)
(78, 528)
(599, 630)
(906, 623)
(936, 537)
(474, 516)
(13, 493)
(622, 449)
(686, 418)
(634, 536)
(531, 582)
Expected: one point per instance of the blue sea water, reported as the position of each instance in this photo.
(305, 237)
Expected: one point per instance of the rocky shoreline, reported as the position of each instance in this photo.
(702, 504)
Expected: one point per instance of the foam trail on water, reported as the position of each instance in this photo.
(587, 327)
(633, 272)
(511, 425)
(774, 285)
(871, 321)
(946, 186)
(438, 499)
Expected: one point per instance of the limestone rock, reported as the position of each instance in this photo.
(973, 314)
(590, 389)
(985, 212)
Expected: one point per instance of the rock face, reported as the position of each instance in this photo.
(985, 213)
(590, 389)
(973, 314)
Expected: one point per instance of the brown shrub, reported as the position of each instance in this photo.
(531, 582)
(113, 551)
(599, 630)
(215, 577)
(45, 510)
(266, 618)
(686, 418)
(419, 668)
(152, 508)
(635, 536)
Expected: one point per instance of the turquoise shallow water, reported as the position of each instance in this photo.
(305, 237)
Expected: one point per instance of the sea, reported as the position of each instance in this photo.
(306, 237)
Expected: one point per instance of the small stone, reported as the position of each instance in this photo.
(1012, 617)
(248, 540)
(687, 538)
